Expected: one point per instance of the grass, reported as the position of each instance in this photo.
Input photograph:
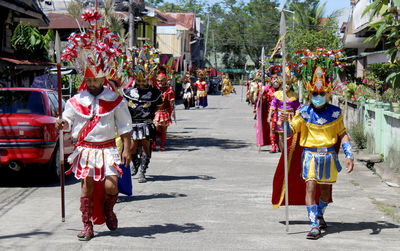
(388, 209)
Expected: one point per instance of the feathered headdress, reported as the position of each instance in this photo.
(319, 68)
(93, 52)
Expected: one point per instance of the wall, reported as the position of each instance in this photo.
(381, 127)
(383, 131)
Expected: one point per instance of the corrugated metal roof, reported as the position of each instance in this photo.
(186, 20)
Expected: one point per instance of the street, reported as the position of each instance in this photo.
(209, 190)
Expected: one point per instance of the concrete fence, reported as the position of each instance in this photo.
(381, 126)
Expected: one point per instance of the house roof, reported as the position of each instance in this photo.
(187, 20)
(26, 7)
(64, 21)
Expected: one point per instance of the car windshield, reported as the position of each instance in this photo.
(21, 102)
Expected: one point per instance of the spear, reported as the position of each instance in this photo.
(61, 137)
(282, 33)
(260, 99)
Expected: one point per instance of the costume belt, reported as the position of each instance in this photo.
(97, 145)
(320, 150)
(135, 121)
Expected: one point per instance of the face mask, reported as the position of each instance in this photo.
(318, 100)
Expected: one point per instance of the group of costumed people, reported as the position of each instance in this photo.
(315, 132)
(195, 94)
(121, 100)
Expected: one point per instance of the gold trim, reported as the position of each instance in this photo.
(292, 148)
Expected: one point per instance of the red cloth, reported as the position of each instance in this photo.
(99, 197)
(264, 138)
(296, 184)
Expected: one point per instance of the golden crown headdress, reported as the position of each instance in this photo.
(143, 62)
(319, 69)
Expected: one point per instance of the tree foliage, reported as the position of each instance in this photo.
(29, 43)
(387, 29)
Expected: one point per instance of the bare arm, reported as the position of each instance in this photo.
(345, 140)
(126, 154)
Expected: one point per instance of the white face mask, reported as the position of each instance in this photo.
(275, 84)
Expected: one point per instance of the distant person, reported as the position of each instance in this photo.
(201, 87)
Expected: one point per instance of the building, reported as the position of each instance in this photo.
(356, 31)
(12, 12)
(181, 36)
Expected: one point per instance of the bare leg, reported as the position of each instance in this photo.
(311, 187)
(87, 186)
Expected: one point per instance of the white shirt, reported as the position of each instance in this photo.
(117, 120)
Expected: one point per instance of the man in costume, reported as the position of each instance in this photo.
(318, 130)
(144, 99)
(163, 116)
(263, 125)
(292, 104)
(226, 85)
(188, 93)
(201, 86)
(94, 115)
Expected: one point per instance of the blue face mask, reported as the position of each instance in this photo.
(318, 100)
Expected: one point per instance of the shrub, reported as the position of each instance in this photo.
(357, 135)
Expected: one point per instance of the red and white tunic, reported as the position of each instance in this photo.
(95, 154)
(163, 116)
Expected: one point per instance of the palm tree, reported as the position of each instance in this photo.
(310, 14)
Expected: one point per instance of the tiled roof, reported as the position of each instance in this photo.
(64, 21)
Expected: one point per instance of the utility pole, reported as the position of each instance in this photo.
(206, 40)
(215, 52)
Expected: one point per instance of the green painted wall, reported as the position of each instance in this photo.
(382, 128)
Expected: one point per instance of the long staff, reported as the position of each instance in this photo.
(61, 137)
(260, 99)
(282, 33)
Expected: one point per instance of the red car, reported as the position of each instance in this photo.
(27, 129)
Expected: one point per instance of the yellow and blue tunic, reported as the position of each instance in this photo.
(319, 132)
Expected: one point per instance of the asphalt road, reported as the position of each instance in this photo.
(210, 190)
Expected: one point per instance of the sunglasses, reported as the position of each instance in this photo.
(314, 94)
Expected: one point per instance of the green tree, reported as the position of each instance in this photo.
(386, 28)
(194, 6)
(28, 42)
(74, 9)
(310, 31)
(242, 29)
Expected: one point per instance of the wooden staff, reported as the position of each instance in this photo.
(61, 137)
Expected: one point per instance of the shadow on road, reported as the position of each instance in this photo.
(25, 235)
(123, 199)
(338, 227)
(150, 231)
(172, 178)
(31, 177)
(195, 143)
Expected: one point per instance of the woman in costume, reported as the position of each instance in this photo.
(163, 117)
(94, 115)
(292, 104)
(144, 99)
(318, 130)
(201, 87)
(188, 94)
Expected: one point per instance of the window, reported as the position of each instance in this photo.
(22, 102)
